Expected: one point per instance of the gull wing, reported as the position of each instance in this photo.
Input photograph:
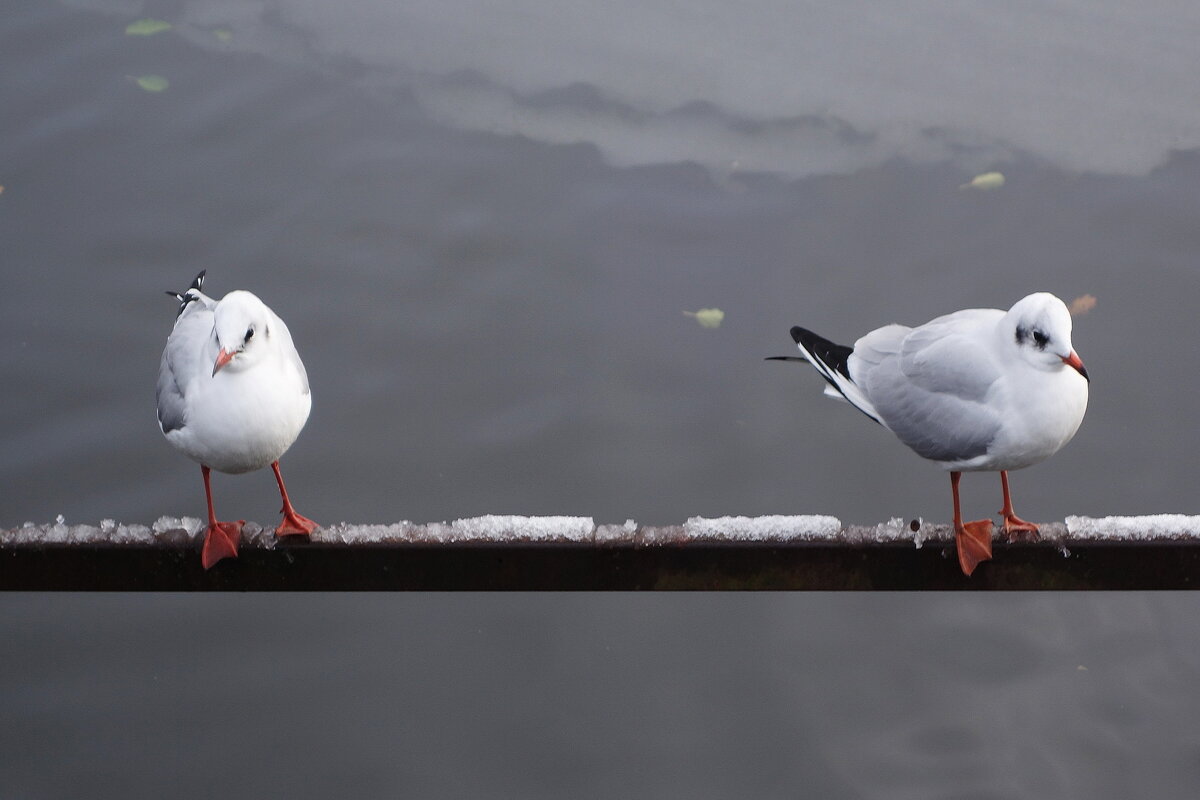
(930, 386)
(183, 360)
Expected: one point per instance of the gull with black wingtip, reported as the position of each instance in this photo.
(976, 390)
(233, 396)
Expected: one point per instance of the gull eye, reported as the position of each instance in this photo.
(1040, 339)
(249, 333)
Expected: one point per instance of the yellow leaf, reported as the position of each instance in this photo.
(708, 317)
(146, 27)
(152, 83)
(988, 180)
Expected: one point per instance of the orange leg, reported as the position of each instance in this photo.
(293, 524)
(973, 539)
(1013, 525)
(221, 538)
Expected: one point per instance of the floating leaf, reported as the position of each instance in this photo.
(147, 27)
(1082, 304)
(988, 180)
(708, 317)
(224, 34)
(152, 83)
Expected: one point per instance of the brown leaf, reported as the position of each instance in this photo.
(1082, 304)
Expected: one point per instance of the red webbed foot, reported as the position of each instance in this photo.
(1017, 529)
(294, 524)
(1014, 526)
(974, 542)
(221, 541)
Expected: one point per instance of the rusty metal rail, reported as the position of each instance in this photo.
(571, 553)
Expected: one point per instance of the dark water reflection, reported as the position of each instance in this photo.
(493, 324)
(601, 696)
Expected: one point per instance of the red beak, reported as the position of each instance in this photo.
(1075, 363)
(224, 357)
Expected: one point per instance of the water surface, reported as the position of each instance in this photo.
(483, 225)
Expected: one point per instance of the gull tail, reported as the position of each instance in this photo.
(192, 293)
(833, 362)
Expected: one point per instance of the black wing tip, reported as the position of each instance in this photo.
(187, 297)
(811, 341)
(834, 356)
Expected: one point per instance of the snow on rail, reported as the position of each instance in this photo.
(517, 530)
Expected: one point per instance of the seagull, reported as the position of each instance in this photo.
(978, 390)
(232, 396)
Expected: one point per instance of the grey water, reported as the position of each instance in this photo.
(483, 224)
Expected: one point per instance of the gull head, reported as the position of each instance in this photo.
(1039, 327)
(241, 328)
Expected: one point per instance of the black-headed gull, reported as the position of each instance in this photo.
(980, 389)
(233, 396)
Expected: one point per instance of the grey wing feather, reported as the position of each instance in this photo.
(947, 356)
(180, 362)
(171, 408)
(930, 389)
(879, 344)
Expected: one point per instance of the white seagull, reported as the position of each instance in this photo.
(233, 396)
(979, 389)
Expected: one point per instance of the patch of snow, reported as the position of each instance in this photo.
(63, 534)
(257, 536)
(507, 528)
(436, 533)
(616, 534)
(177, 530)
(166, 530)
(491, 529)
(894, 530)
(773, 528)
(191, 525)
(1135, 529)
(346, 533)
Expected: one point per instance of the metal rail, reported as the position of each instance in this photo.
(580, 556)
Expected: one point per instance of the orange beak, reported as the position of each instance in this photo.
(224, 357)
(1075, 363)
